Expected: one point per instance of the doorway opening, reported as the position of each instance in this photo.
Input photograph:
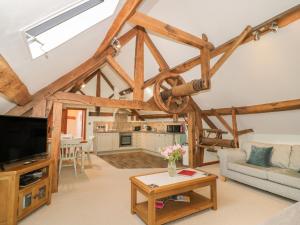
(74, 122)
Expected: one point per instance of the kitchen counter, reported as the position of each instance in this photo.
(130, 131)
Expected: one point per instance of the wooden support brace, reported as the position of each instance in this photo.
(119, 70)
(223, 121)
(155, 53)
(229, 52)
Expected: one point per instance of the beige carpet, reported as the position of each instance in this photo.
(101, 196)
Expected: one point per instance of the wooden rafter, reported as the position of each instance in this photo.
(70, 98)
(119, 70)
(138, 92)
(81, 92)
(78, 85)
(223, 122)
(11, 86)
(137, 114)
(163, 65)
(204, 117)
(107, 81)
(127, 10)
(167, 30)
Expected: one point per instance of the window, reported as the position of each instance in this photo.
(63, 26)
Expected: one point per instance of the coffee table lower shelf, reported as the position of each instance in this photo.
(175, 210)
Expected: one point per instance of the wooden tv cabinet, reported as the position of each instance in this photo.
(16, 202)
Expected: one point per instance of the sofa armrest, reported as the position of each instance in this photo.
(229, 155)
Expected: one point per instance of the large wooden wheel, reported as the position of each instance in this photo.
(162, 93)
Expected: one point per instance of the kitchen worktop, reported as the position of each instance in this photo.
(130, 131)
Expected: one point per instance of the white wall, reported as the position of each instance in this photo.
(36, 74)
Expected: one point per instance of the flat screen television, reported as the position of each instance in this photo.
(22, 138)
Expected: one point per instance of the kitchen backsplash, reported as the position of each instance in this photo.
(129, 126)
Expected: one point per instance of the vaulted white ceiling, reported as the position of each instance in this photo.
(259, 72)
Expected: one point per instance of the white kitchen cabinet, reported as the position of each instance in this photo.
(107, 141)
(137, 140)
(115, 137)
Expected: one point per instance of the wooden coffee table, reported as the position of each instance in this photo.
(168, 186)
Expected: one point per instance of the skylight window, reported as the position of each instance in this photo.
(54, 31)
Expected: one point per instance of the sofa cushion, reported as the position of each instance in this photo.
(295, 158)
(280, 155)
(285, 176)
(248, 169)
(260, 156)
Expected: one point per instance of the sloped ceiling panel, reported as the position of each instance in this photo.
(16, 15)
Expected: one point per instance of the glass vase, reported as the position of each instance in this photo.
(172, 168)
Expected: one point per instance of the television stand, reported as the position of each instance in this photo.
(2, 167)
(20, 196)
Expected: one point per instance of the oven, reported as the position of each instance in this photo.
(125, 139)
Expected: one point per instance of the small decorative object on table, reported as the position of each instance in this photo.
(172, 154)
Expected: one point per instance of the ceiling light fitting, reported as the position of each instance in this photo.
(256, 35)
(116, 45)
(274, 27)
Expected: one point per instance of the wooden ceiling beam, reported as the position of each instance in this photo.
(70, 98)
(127, 10)
(119, 70)
(167, 30)
(261, 108)
(11, 86)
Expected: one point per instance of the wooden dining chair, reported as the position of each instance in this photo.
(68, 152)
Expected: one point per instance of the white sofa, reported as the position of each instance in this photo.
(282, 178)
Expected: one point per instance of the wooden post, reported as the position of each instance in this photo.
(55, 144)
(39, 110)
(138, 91)
(98, 89)
(191, 139)
(235, 129)
(205, 64)
(200, 153)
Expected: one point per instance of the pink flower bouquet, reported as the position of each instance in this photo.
(173, 153)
